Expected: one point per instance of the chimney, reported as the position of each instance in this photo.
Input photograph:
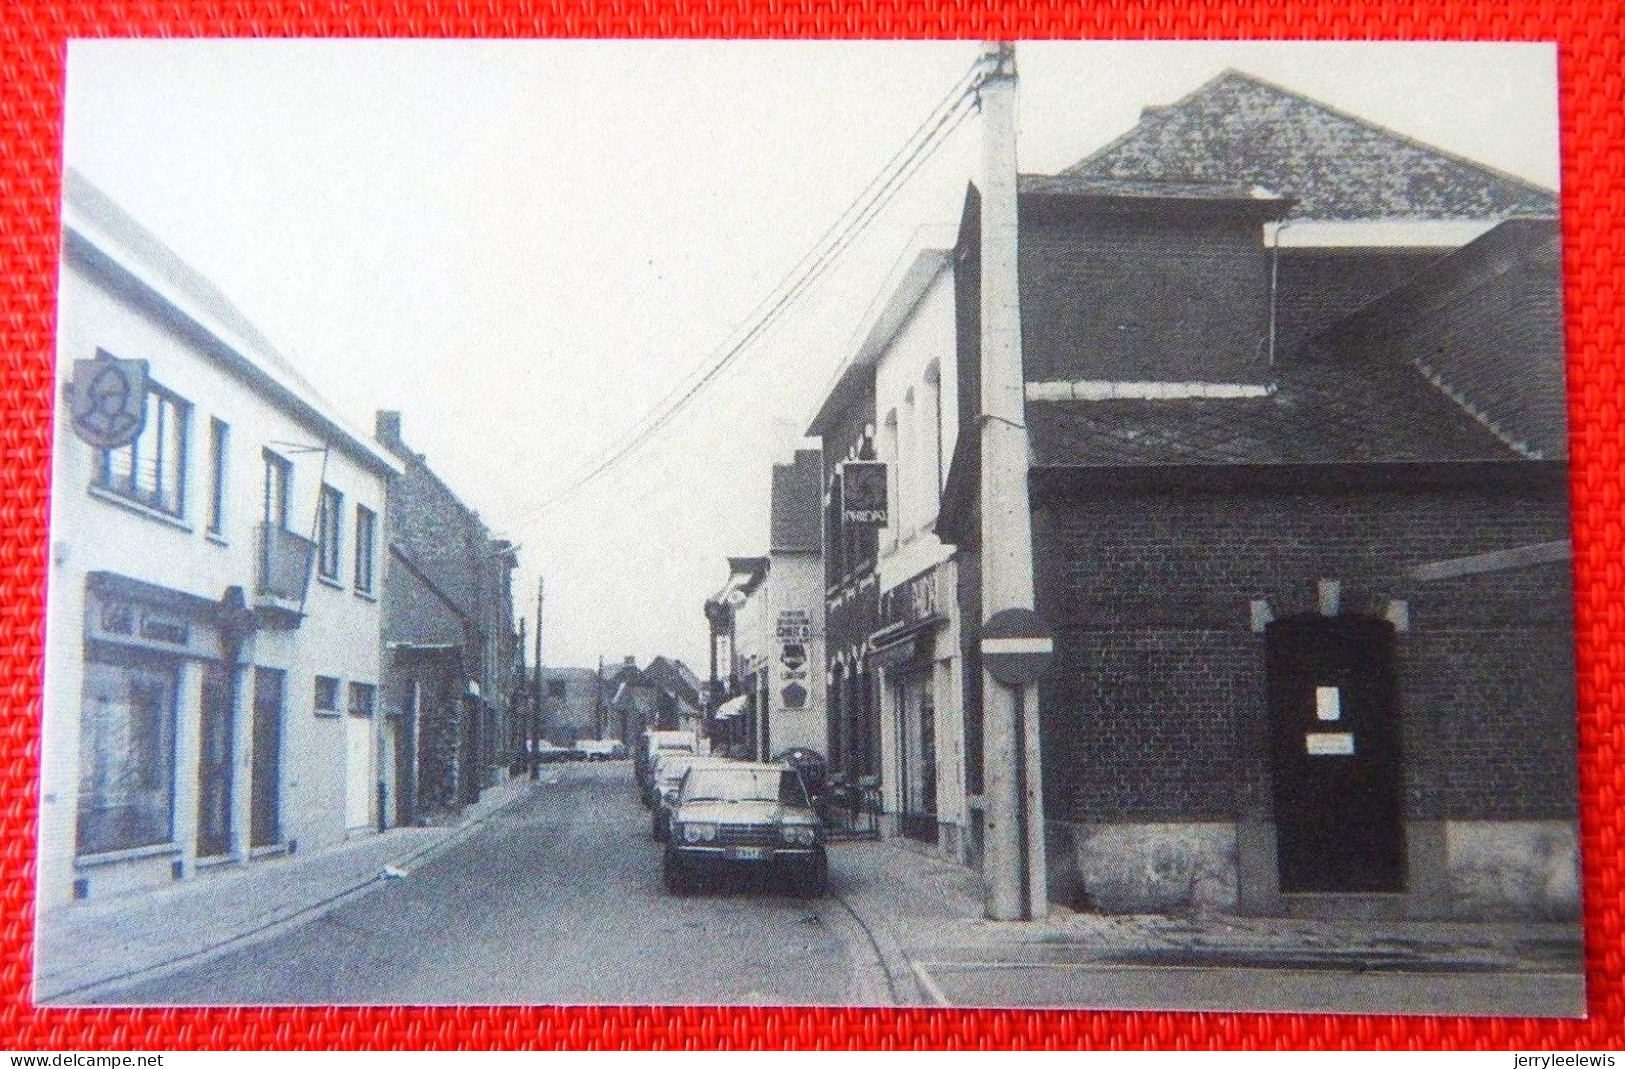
(631, 662)
(387, 429)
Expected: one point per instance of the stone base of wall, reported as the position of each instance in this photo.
(1460, 870)
(1142, 868)
(1525, 869)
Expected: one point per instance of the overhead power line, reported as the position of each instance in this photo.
(943, 119)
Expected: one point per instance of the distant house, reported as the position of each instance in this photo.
(1300, 518)
(574, 705)
(212, 650)
(776, 609)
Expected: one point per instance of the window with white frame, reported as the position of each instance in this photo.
(366, 538)
(152, 469)
(219, 438)
(329, 524)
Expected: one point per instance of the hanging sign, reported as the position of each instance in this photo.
(863, 493)
(108, 397)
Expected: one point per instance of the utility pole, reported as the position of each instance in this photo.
(1013, 820)
(537, 695)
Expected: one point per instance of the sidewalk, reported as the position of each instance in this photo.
(86, 947)
(926, 919)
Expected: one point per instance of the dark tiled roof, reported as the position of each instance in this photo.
(1243, 130)
(1485, 324)
(1071, 185)
(797, 504)
(1322, 412)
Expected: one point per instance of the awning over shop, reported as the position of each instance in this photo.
(732, 707)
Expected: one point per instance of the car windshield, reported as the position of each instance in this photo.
(745, 785)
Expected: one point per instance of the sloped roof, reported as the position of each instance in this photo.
(1485, 325)
(1068, 184)
(1241, 129)
(1321, 412)
(798, 504)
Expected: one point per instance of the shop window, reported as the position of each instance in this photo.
(327, 696)
(366, 537)
(126, 755)
(152, 469)
(328, 524)
(362, 697)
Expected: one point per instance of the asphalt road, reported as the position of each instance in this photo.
(557, 899)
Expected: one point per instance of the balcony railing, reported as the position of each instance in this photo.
(285, 561)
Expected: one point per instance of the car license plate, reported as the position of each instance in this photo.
(749, 853)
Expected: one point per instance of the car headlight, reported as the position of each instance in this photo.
(695, 833)
(798, 834)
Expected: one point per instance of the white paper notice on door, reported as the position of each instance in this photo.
(1330, 743)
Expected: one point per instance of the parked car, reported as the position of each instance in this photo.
(670, 769)
(548, 753)
(745, 815)
(650, 747)
(600, 749)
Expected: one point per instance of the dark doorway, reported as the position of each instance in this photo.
(1335, 754)
(214, 763)
(265, 771)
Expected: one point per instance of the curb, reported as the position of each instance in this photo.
(85, 993)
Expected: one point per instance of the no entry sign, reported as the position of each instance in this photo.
(1017, 647)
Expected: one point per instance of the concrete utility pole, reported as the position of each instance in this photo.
(1013, 841)
(537, 728)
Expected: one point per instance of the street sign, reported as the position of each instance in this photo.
(108, 398)
(1017, 647)
(863, 493)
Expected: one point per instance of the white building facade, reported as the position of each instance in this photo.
(214, 637)
(911, 343)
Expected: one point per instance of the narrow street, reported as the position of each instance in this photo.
(557, 899)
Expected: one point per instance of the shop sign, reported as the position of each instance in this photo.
(108, 399)
(863, 493)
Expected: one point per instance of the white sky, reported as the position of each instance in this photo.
(524, 245)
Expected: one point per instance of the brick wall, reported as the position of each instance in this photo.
(1317, 287)
(1156, 708)
(1144, 298)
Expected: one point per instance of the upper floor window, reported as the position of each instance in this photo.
(362, 696)
(329, 526)
(152, 469)
(366, 537)
(219, 436)
(891, 453)
(278, 480)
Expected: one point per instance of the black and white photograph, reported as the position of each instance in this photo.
(1067, 524)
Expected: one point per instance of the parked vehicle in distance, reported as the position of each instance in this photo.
(670, 769)
(745, 815)
(548, 753)
(600, 749)
(650, 748)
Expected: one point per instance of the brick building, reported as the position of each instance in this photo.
(1294, 395)
(453, 661)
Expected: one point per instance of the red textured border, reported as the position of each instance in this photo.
(32, 37)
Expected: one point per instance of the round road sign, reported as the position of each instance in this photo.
(1017, 647)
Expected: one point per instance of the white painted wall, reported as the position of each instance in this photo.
(91, 532)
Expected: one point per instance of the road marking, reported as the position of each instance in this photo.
(930, 985)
